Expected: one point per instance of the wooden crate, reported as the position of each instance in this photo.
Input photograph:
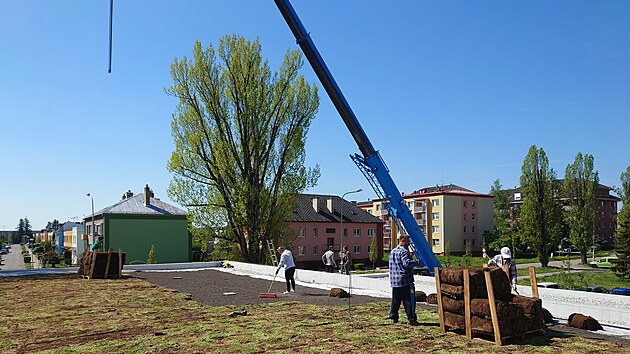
(102, 265)
(498, 338)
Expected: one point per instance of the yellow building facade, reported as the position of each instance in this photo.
(447, 215)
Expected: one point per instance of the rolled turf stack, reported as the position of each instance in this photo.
(517, 314)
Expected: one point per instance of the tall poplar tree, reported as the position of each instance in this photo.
(622, 234)
(580, 189)
(541, 215)
(502, 234)
(239, 132)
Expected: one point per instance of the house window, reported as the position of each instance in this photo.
(331, 230)
(371, 232)
(473, 229)
(357, 249)
(473, 241)
(464, 242)
(435, 202)
(357, 232)
(436, 216)
(436, 242)
(465, 204)
(301, 250)
(302, 232)
(378, 207)
(465, 229)
(436, 229)
(465, 216)
(472, 216)
(345, 232)
(410, 205)
(315, 232)
(315, 253)
(472, 204)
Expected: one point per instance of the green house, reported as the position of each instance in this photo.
(139, 221)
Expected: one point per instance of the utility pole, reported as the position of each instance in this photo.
(341, 213)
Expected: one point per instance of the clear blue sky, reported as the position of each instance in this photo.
(448, 91)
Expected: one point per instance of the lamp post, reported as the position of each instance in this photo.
(341, 213)
(92, 228)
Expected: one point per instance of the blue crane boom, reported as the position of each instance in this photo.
(371, 164)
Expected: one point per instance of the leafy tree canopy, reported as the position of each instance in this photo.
(541, 215)
(239, 132)
(580, 190)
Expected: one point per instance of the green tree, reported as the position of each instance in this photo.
(467, 255)
(622, 235)
(580, 189)
(541, 215)
(17, 236)
(239, 132)
(622, 243)
(501, 234)
(151, 258)
(624, 190)
(373, 251)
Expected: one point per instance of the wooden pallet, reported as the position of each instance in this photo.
(498, 338)
(104, 265)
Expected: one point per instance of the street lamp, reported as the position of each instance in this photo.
(341, 213)
(92, 229)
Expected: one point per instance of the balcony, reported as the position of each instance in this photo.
(419, 209)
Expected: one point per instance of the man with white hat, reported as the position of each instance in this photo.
(505, 258)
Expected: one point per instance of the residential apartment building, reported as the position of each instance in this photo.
(319, 222)
(606, 212)
(445, 214)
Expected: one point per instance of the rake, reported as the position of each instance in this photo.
(269, 294)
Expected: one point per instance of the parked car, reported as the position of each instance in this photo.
(3, 251)
(620, 291)
(548, 285)
(605, 262)
(595, 289)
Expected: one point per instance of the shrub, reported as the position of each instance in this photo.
(151, 259)
(27, 259)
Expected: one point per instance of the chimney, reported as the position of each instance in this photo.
(329, 204)
(147, 195)
(128, 194)
(315, 204)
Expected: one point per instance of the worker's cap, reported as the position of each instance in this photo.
(506, 253)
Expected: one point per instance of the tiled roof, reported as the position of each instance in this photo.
(444, 189)
(304, 210)
(134, 205)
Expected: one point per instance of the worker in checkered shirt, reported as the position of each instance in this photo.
(401, 280)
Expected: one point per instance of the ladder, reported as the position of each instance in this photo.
(272, 253)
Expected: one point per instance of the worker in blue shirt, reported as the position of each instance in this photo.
(401, 280)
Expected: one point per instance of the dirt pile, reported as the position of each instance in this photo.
(421, 296)
(339, 292)
(581, 321)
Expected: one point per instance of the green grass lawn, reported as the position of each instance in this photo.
(574, 280)
(63, 314)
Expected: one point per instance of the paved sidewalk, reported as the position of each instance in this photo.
(575, 264)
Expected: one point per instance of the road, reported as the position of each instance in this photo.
(13, 260)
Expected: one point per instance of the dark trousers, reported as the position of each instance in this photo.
(288, 275)
(330, 268)
(403, 295)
